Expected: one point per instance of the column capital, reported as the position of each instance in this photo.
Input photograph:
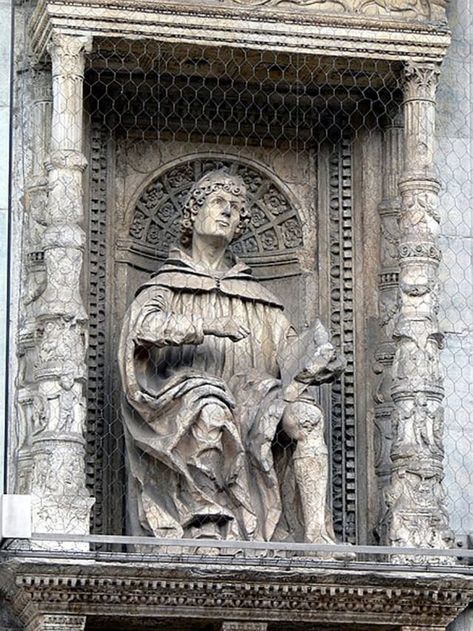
(68, 53)
(420, 80)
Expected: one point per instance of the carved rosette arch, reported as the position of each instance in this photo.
(416, 497)
(275, 228)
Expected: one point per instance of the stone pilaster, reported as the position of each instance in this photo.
(416, 496)
(389, 210)
(60, 500)
(34, 203)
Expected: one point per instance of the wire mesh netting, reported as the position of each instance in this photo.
(240, 280)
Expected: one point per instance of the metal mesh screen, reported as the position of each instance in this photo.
(315, 144)
(200, 109)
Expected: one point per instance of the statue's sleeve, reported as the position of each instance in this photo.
(156, 324)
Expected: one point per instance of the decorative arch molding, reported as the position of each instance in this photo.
(275, 232)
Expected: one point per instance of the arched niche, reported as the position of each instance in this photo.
(272, 244)
(309, 263)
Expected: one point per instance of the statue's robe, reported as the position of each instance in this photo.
(172, 372)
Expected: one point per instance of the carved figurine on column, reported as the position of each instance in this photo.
(214, 375)
(416, 497)
(61, 502)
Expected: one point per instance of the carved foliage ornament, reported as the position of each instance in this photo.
(67, 53)
(421, 80)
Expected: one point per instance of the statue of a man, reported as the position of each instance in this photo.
(217, 410)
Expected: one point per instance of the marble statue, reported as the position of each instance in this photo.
(219, 415)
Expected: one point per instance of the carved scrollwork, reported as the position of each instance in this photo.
(423, 250)
(275, 225)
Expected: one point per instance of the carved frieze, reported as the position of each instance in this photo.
(260, 592)
(430, 9)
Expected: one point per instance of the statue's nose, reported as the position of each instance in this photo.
(226, 210)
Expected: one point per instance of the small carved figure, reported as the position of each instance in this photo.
(213, 372)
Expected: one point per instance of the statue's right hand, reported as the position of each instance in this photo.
(227, 327)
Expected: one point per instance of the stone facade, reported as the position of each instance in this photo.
(99, 198)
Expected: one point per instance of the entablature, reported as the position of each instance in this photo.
(161, 591)
(376, 29)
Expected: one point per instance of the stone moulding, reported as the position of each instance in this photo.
(217, 592)
(230, 23)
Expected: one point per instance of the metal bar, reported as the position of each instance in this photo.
(252, 545)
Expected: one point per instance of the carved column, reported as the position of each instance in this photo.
(56, 622)
(60, 500)
(389, 210)
(416, 496)
(34, 203)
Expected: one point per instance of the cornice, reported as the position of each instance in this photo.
(347, 34)
(213, 591)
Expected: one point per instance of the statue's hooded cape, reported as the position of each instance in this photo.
(173, 375)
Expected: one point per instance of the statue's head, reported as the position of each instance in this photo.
(216, 206)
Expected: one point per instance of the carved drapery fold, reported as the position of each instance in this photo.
(416, 496)
(60, 499)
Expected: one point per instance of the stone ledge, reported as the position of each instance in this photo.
(334, 593)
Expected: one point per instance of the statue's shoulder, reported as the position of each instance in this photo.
(180, 273)
(239, 281)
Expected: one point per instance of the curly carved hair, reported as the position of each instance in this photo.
(210, 182)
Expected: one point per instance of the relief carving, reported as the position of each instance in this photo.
(274, 224)
(416, 499)
(217, 385)
(409, 8)
(420, 518)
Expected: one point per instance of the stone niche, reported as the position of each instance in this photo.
(303, 242)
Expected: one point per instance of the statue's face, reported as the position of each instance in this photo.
(219, 216)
